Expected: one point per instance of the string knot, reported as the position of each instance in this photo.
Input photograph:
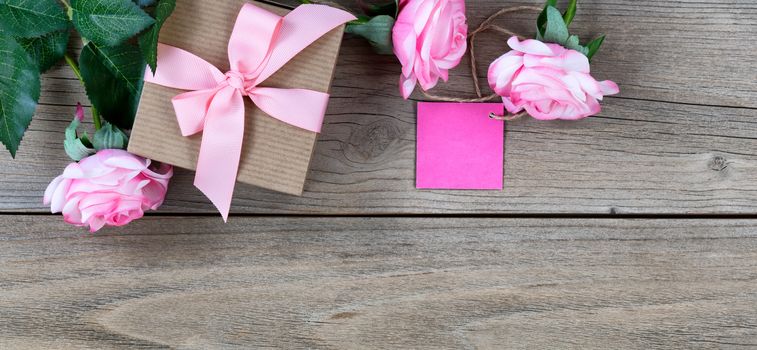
(486, 25)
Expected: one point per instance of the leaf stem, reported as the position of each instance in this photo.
(77, 72)
(69, 9)
(96, 118)
(74, 66)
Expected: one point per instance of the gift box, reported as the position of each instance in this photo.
(275, 155)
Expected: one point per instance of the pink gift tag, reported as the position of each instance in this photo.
(459, 146)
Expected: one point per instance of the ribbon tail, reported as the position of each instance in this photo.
(191, 109)
(306, 113)
(221, 148)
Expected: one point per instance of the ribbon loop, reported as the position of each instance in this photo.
(246, 54)
(260, 44)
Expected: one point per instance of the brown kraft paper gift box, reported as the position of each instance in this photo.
(275, 155)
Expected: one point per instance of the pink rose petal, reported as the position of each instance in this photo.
(530, 46)
(548, 81)
(112, 187)
(430, 38)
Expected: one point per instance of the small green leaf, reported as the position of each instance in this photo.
(570, 13)
(71, 129)
(109, 22)
(541, 22)
(84, 138)
(557, 31)
(46, 50)
(113, 77)
(573, 44)
(378, 32)
(144, 3)
(593, 46)
(31, 18)
(148, 41)
(19, 92)
(76, 148)
(110, 137)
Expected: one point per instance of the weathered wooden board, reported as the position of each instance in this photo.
(679, 139)
(684, 153)
(379, 283)
(637, 157)
(688, 51)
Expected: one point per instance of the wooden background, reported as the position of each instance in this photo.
(633, 229)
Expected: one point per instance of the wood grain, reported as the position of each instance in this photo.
(379, 283)
(679, 139)
(636, 157)
(685, 51)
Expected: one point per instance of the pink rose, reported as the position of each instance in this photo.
(112, 187)
(430, 38)
(548, 81)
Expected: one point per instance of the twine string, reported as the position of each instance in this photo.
(486, 25)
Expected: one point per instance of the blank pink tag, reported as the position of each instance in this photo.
(459, 146)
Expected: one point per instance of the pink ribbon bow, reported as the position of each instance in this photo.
(261, 43)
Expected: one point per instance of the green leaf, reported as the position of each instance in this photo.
(109, 22)
(85, 140)
(573, 44)
(19, 92)
(113, 77)
(570, 13)
(557, 31)
(593, 46)
(110, 137)
(148, 41)
(31, 18)
(77, 148)
(541, 22)
(378, 32)
(144, 3)
(46, 50)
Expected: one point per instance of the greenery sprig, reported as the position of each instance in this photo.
(120, 39)
(79, 146)
(374, 24)
(552, 27)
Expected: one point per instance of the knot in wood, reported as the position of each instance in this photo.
(370, 141)
(718, 163)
